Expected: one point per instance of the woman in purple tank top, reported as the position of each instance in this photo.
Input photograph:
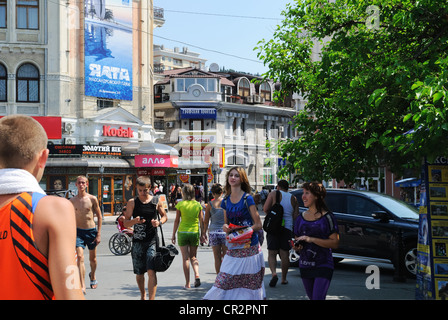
(316, 233)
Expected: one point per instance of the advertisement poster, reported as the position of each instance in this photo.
(108, 49)
(432, 259)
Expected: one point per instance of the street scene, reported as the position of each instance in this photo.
(350, 281)
(290, 149)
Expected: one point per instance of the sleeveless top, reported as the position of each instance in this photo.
(216, 218)
(24, 269)
(145, 232)
(288, 210)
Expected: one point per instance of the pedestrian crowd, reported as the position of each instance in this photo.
(43, 238)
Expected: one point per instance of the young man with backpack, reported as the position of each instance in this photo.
(278, 238)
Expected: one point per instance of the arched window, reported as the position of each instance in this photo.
(265, 91)
(244, 87)
(27, 83)
(3, 83)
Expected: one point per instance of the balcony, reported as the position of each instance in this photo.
(159, 17)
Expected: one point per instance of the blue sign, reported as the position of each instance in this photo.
(198, 113)
(108, 49)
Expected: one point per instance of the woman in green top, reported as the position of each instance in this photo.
(186, 224)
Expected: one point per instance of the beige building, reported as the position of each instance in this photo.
(85, 70)
(171, 59)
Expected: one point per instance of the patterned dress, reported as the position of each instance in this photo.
(242, 269)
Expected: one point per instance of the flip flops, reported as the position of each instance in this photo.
(93, 283)
(273, 281)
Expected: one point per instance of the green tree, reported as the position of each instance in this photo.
(376, 94)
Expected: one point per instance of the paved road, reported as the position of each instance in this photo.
(117, 281)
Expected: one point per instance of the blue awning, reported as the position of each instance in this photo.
(408, 182)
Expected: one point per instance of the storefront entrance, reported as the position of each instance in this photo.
(113, 192)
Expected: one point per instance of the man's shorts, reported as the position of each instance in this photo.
(143, 256)
(280, 241)
(86, 237)
(188, 239)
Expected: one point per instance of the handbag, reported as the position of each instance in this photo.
(164, 254)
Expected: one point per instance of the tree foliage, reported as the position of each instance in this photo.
(376, 95)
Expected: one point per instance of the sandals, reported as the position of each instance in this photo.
(197, 282)
(93, 283)
(273, 281)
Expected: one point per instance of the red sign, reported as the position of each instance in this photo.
(184, 178)
(158, 172)
(52, 126)
(156, 161)
(120, 132)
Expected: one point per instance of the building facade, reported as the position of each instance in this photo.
(219, 120)
(84, 69)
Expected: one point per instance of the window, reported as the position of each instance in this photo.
(28, 83)
(27, 14)
(183, 84)
(3, 83)
(244, 87)
(3, 6)
(361, 206)
(265, 91)
(104, 103)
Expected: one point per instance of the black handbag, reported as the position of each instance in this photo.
(164, 254)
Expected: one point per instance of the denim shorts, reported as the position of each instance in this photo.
(86, 237)
(143, 256)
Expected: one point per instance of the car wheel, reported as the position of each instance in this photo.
(410, 261)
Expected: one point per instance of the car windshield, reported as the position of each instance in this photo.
(397, 207)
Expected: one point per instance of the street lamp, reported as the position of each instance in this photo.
(101, 169)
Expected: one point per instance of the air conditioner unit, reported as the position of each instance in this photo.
(69, 141)
(258, 99)
(249, 99)
(68, 127)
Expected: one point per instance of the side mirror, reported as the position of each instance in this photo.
(380, 215)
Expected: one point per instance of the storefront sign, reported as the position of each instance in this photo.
(205, 152)
(82, 149)
(120, 132)
(184, 178)
(158, 172)
(156, 161)
(52, 126)
(197, 113)
(191, 138)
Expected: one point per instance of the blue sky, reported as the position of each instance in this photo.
(230, 34)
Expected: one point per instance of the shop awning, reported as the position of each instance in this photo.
(408, 182)
(146, 148)
(87, 162)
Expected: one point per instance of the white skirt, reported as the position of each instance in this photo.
(240, 277)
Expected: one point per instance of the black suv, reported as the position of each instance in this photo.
(373, 225)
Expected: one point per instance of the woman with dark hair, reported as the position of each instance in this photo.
(316, 233)
(242, 269)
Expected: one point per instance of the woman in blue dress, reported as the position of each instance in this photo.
(242, 269)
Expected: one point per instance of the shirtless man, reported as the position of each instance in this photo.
(86, 206)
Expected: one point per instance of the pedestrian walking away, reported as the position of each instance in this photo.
(214, 215)
(188, 225)
(316, 233)
(280, 243)
(38, 232)
(141, 214)
(242, 269)
(87, 235)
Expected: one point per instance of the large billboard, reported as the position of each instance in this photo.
(108, 49)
